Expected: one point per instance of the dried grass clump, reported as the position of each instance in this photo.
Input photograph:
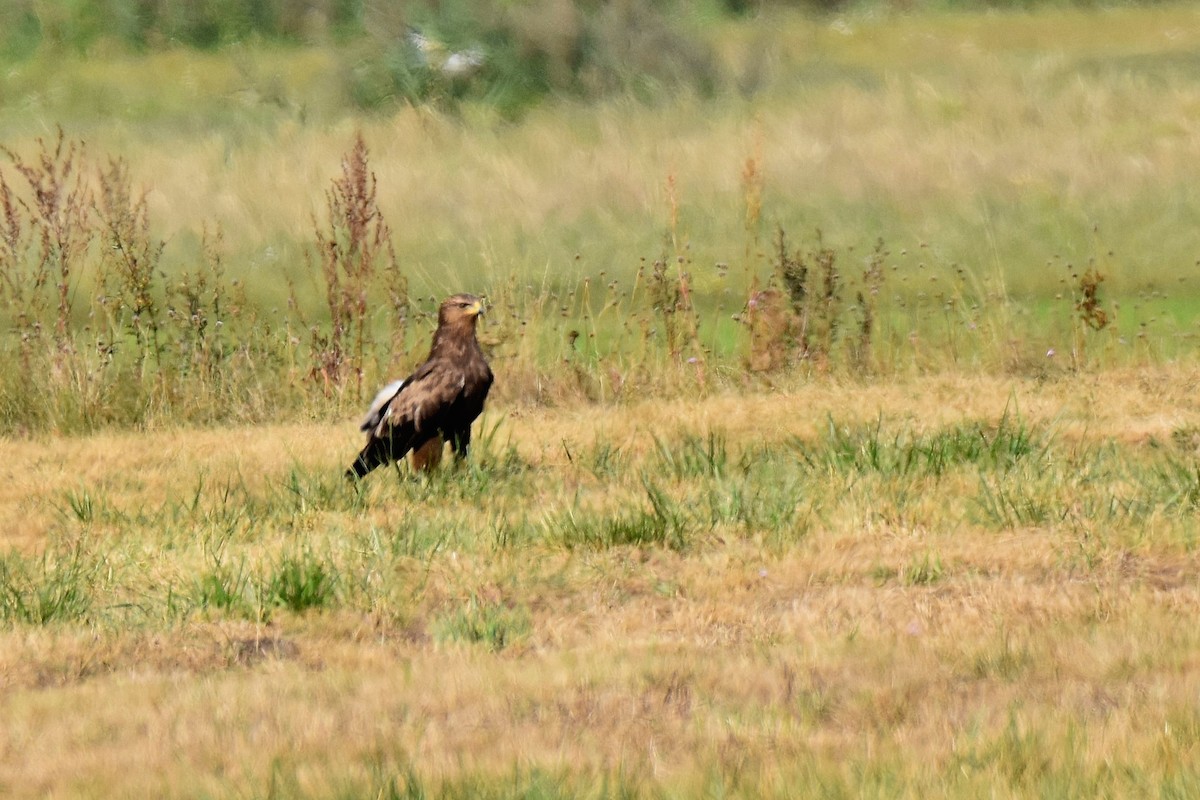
(802, 315)
(360, 273)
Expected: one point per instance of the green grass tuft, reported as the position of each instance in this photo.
(493, 625)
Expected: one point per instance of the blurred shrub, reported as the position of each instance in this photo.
(24, 24)
(507, 53)
(512, 54)
(745, 7)
(511, 50)
(19, 29)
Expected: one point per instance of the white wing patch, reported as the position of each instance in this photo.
(379, 405)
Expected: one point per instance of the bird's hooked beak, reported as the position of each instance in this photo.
(477, 308)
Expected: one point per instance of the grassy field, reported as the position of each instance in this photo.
(903, 508)
(946, 587)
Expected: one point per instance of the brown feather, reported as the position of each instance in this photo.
(441, 398)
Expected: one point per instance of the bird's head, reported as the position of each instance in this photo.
(461, 310)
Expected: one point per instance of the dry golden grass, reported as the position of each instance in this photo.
(1024, 658)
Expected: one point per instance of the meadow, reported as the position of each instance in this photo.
(844, 442)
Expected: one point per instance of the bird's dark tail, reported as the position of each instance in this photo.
(373, 455)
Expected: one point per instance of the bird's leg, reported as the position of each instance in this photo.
(460, 444)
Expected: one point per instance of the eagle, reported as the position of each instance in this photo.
(439, 401)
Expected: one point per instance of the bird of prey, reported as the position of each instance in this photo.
(438, 401)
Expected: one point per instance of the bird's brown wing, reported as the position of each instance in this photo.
(423, 400)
